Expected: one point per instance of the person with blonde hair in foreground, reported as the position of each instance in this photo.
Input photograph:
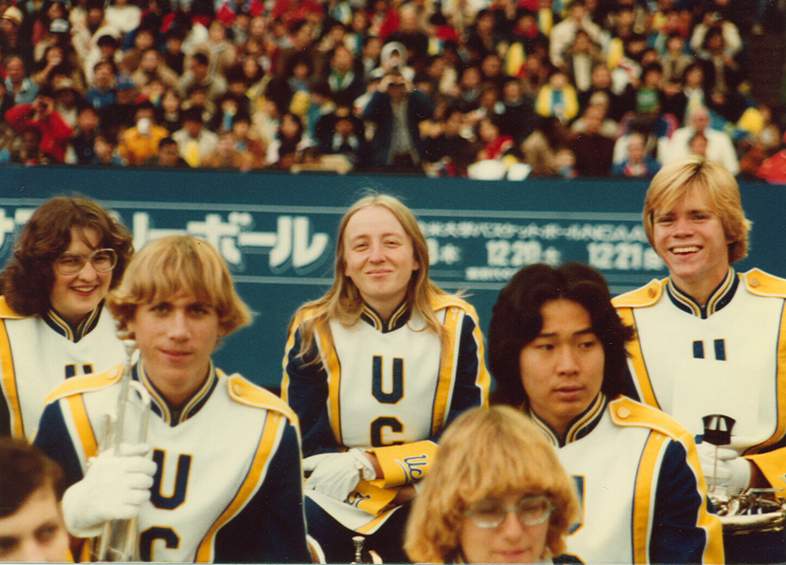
(497, 493)
(224, 483)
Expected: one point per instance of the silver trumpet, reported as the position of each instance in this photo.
(126, 424)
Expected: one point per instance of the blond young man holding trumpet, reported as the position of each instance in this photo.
(219, 478)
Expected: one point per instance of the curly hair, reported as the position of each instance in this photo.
(517, 320)
(486, 453)
(28, 278)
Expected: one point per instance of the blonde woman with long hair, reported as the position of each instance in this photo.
(375, 369)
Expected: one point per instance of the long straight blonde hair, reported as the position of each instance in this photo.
(343, 301)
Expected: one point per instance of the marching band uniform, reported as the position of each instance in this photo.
(728, 357)
(618, 447)
(37, 353)
(389, 388)
(228, 484)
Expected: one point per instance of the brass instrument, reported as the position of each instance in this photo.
(753, 510)
(373, 555)
(127, 424)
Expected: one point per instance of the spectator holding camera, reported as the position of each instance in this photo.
(397, 110)
(41, 115)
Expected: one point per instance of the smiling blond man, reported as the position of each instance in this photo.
(220, 477)
(709, 339)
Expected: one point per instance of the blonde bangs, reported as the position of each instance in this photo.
(523, 462)
(715, 183)
(180, 265)
(486, 453)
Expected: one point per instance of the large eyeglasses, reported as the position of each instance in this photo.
(70, 263)
(530, 510)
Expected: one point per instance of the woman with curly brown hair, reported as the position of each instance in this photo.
(52, 325)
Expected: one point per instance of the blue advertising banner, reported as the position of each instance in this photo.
(277, 232)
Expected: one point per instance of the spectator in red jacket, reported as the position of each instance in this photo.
(773, 170)
(41, 115)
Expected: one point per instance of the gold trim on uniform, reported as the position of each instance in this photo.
(87, 436)
(272, 432)
(160, 403)
(332, 365)
(86, 383)
(447, 367)
(9, 384)
(643, 494)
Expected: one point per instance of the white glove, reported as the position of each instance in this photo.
(337, 474)
(113, 489)
(733, 473)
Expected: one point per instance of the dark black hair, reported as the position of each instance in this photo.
(165, 142)
(517, 320)
(106, 39)
(200, 58)
(145, 105)
(194, 114)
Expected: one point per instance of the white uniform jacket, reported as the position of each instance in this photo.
(728, 357)
(228, 487)
(391, 388)
(640, 486)
(37, 353)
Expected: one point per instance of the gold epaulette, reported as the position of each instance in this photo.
(87, 383)
(764, 284)
(626, 412)
(245, 392)
(641, 297)
(442, 301)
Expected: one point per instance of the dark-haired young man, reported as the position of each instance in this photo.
(31, 522)
(557, 351)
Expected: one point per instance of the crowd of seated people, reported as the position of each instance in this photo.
(586, 88)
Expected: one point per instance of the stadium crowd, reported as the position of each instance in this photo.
(452, 88)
